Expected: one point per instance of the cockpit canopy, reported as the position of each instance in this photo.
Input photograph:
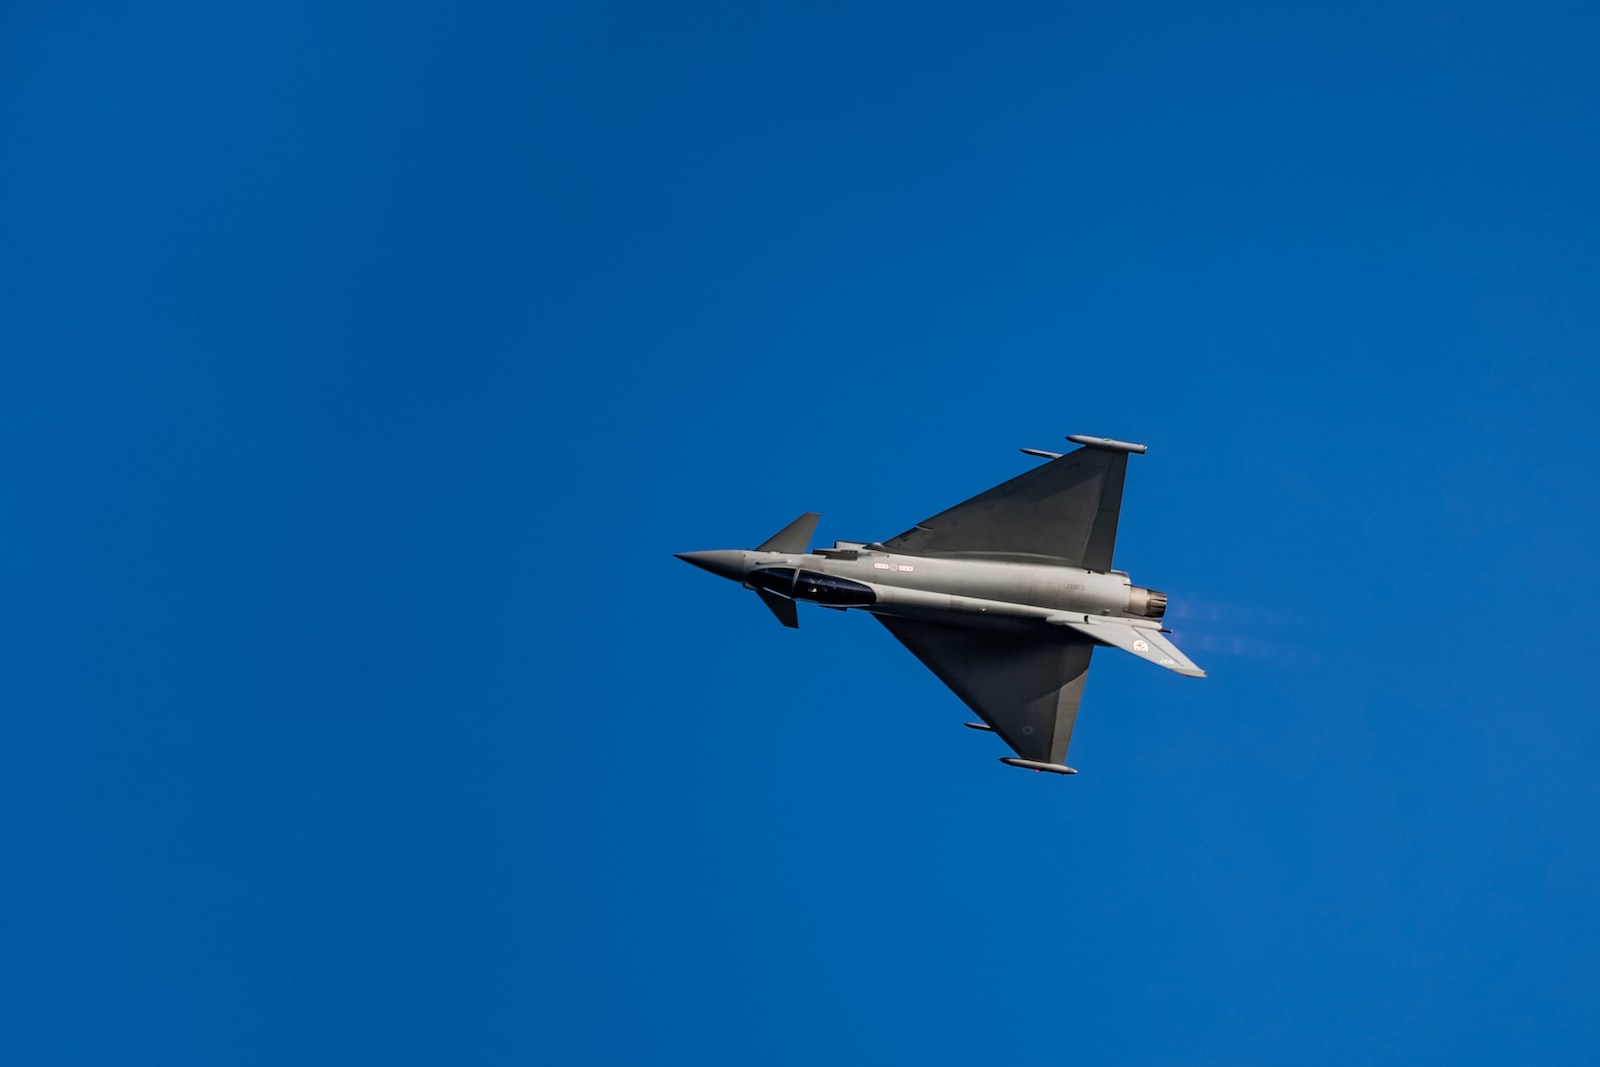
(809, 585)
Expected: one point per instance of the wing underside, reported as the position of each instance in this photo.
(1024, 686)
(1145, 641)
(1065, 511)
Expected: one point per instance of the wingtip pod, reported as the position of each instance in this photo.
(1106, 443)
(1035, 765)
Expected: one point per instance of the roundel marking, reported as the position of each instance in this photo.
(1141, 645)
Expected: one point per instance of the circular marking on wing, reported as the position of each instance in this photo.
(1141, 645)
(1027, 731)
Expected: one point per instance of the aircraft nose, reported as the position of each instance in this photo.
(724, 563)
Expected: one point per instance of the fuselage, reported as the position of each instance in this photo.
(962, 591)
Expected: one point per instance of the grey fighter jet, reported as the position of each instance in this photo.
(1003, 596)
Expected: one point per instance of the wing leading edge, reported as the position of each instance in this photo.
(1065, 511)
(1026, 688)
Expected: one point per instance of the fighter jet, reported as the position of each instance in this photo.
(1004, 596)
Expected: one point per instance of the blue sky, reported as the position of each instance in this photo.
(366, 363)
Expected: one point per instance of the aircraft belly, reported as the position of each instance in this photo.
(1075, 590)
(966, 620)
(900, 602)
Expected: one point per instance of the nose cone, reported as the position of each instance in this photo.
(724, 563)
